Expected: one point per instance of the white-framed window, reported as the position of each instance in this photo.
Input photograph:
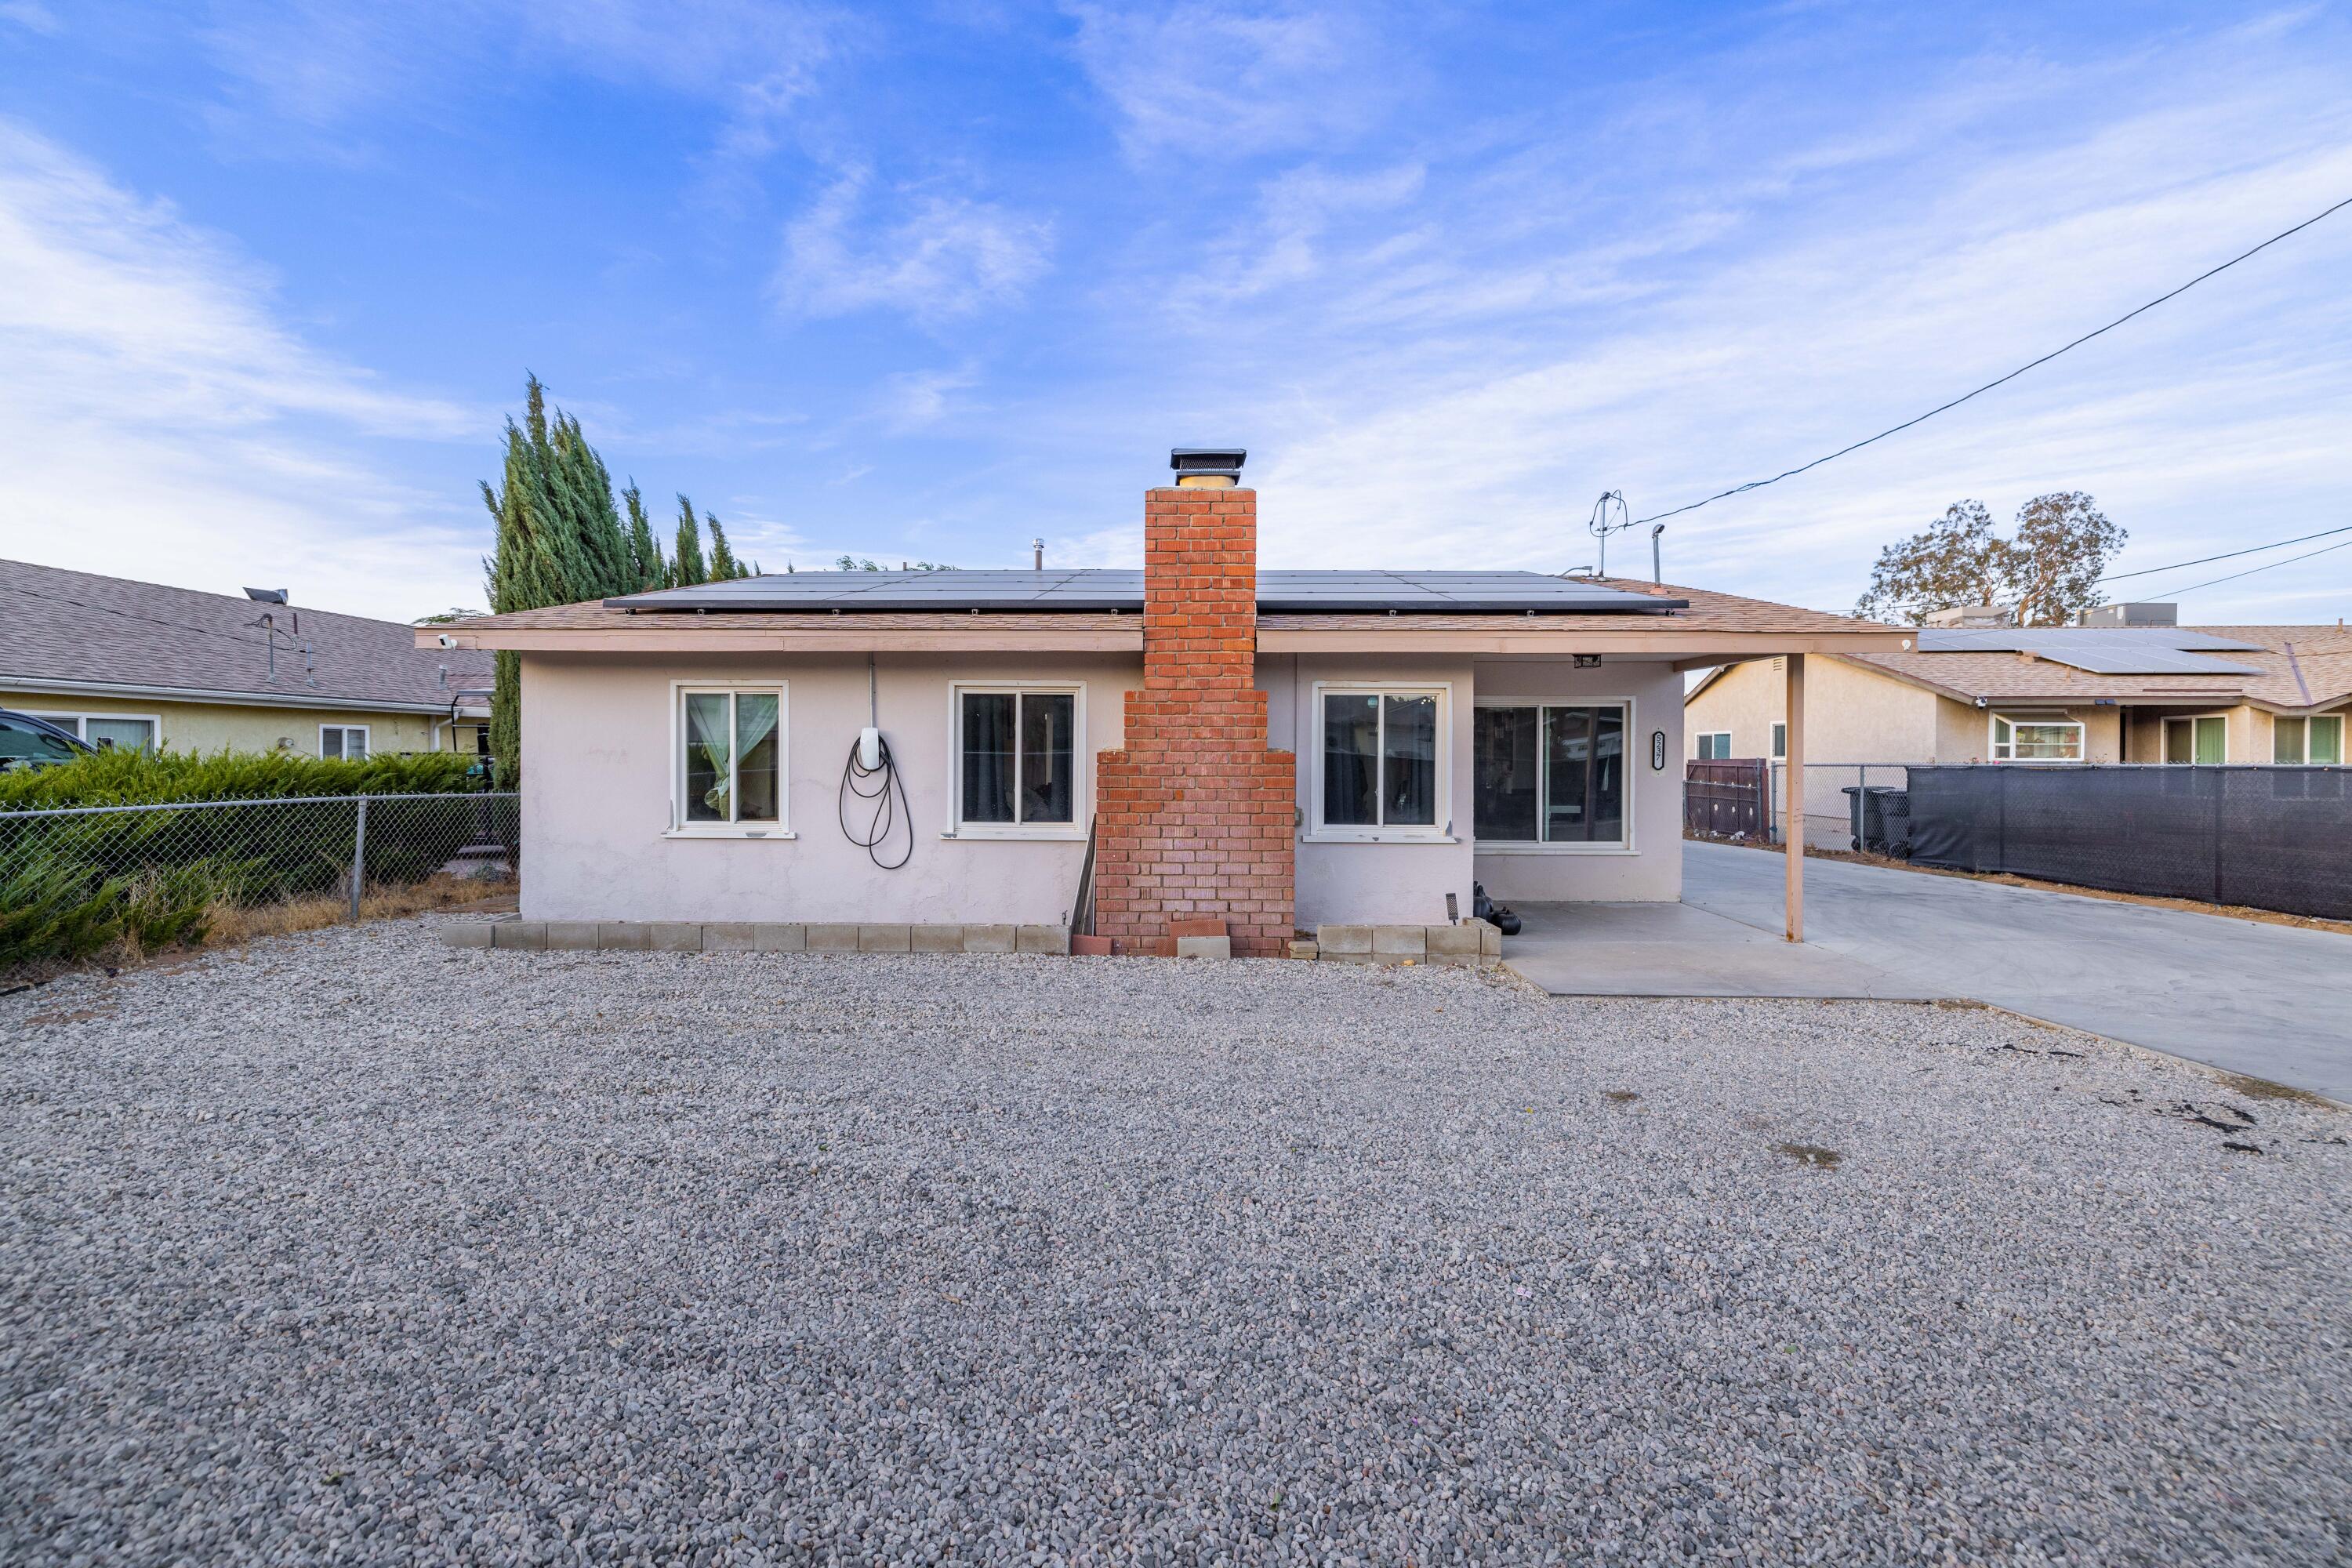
(2200, 739)
(1779, 738)
(2317, 739)
(1714, 745)
(108, 731)
(1381, 762)
(345, 743)
(2036, 740)
(1019, 770)
(1552, 775)
(728, 760)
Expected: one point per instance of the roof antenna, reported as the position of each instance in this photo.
(1608, 517)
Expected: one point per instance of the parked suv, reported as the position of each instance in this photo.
(29, 742)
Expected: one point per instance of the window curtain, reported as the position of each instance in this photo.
(1505, 742)
(1351, 761)
(756, 747)
(987, 756)
(1409, 761)
(708, 756)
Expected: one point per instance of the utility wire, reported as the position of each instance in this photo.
(2264, 567)
(2227, 555)
(2013, 375)
(134, 615)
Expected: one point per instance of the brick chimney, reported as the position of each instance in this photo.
(1194, 817)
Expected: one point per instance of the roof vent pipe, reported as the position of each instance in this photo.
(1037, 554)
(1207, 468)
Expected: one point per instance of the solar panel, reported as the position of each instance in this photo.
(2051, 639)
(2145, 661)
(1011, 589)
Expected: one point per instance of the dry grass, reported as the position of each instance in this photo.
(228, 925)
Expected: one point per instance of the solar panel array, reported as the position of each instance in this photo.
(1011, 589)
(2100, 650)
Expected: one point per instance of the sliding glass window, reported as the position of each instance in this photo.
(730, 762)
(1549, 773)
(1380, 759)
(1016, 759)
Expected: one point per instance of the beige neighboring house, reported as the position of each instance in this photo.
(139, 665)
(2204, 695)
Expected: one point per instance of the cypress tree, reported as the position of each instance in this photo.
(584, 490)
(646, 567)
(558, 541)
(724, 567)
(687, 566)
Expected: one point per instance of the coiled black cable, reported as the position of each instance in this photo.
(878, 828)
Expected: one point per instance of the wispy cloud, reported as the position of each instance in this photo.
(157, 418)
(1474, 362)
(1226, 81)
(334, 68)
(928, 255)
(31, 14)
(918, 399)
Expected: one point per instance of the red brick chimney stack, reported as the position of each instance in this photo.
(1194, 815)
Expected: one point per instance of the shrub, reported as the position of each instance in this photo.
(151, 778)
(70, 885)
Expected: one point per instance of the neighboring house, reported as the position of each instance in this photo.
(140, 666)
(1267, 749)
(2137, 689)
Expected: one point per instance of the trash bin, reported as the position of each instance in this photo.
(1886, 820)
(1879, 817)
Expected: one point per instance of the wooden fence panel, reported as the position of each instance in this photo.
(1725, 796)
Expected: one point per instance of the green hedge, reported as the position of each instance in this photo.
(151, 778)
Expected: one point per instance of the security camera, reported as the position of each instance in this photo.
(449, 641)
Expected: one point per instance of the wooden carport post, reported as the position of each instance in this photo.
(1792, 820)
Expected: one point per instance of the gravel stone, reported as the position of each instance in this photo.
(352, 1249)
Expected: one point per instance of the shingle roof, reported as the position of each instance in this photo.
(81, 628)
(2299, 667)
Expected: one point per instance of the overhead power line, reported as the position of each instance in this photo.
(2264, 567)
(135, 615)
(2227, 555)
(2013, 375)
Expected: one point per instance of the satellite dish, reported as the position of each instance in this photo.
(267, 596)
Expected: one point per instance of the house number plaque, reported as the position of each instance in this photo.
(1658, 751)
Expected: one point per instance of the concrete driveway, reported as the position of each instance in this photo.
(2271, 1000)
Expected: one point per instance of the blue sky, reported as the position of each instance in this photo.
(928, 281)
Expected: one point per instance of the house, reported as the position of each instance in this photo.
(138, 665)
(1195, 740)
(2126, 686)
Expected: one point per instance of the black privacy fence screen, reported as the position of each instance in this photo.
(2266, 837)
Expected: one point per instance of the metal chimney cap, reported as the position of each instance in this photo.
(1208, 465)
(267, 596)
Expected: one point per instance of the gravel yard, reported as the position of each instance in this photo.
(347, 1248)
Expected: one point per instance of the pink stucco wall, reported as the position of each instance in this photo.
(596, 788)
(597, 778)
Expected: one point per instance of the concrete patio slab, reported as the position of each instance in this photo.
(1679, 950)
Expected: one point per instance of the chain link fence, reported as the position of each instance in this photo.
(74, 878)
